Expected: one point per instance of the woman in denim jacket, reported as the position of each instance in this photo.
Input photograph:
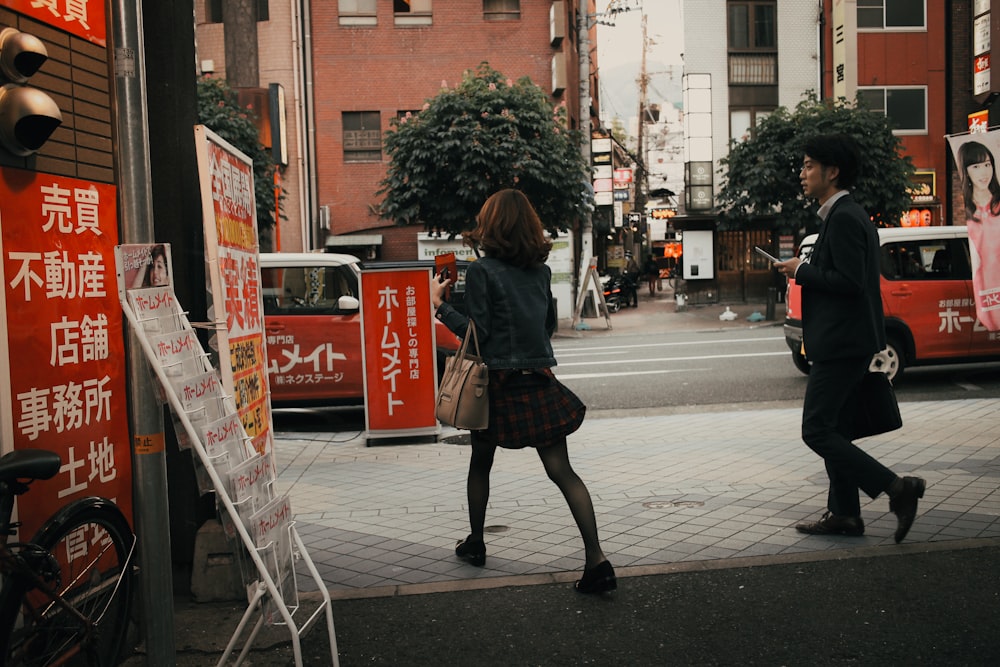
(508, 295)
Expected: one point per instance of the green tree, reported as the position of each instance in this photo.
(486, 134)
(760, 176)
(219, 110)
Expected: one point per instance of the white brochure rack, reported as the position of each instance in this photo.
(209, 424)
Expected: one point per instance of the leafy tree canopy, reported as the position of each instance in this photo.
(486, 134)
(760, 176)
(219, 110)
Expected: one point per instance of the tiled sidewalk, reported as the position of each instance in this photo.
(672, 488)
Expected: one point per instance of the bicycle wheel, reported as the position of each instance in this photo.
(90, 543)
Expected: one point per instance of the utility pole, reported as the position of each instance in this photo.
(583, 44)
(640, 172)
(149, 463)
(614, 8)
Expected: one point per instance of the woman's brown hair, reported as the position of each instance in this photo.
(509, 229)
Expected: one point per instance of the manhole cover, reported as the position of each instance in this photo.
(668, 504)
(496, 529)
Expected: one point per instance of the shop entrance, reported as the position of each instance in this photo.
(743, 274)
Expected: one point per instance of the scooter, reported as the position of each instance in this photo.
(620, 292)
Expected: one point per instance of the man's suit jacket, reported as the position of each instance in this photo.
(841, 304)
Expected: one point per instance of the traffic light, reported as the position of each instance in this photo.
(28, 116)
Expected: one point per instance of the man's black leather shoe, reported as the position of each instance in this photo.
(904, 505)
(831, 524)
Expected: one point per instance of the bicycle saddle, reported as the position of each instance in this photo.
(29, 464)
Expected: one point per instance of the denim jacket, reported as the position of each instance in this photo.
(513, 312)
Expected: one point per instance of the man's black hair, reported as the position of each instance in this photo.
(836, 150)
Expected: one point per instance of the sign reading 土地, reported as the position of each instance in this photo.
(63, 351)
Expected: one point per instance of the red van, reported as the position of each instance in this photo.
(312, 325)
(926, 285)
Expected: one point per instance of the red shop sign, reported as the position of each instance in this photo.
(397, 331)
(64, 344)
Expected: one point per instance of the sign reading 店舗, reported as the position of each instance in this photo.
(63, 350)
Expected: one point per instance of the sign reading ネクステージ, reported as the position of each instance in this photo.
(63, 350)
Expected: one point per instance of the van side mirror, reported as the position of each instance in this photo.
(347, 304)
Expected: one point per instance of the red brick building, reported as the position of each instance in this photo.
(894, 56)
(386, 58)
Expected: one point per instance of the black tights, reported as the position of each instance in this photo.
(555, 458)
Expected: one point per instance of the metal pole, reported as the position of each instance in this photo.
(583, 43)
(149, 467)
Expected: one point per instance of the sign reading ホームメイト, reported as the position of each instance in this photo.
(397, 332)
(64, 371)
(231, 252)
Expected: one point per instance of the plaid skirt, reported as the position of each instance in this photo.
(530, 408)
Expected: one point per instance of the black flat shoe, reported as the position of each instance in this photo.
(471, 551)
(904, 505)
(831, 524)
(599, 579)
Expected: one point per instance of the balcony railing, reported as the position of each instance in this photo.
(753, 69)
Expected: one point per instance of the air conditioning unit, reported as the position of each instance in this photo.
(558, 73)
(557, 22)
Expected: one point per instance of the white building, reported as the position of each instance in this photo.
(741, 61)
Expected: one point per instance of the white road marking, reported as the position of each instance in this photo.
(968, 386)
(618, 349)
(587, 376)
(694, 358)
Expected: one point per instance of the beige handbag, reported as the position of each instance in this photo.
(463, 398)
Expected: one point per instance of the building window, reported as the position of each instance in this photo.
(743, 122)
(362, 136)
(357, 12)
(213, 11)
(891, 14)
(753, 43)
(753, 26)
(906, 108)
(501, 10)
(412, 12)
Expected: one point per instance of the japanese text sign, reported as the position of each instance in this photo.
(63, 348)
(231, 251)
(399, 352)
(83, 18)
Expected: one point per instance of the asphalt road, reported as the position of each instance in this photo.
(670, 372)
(917, 605)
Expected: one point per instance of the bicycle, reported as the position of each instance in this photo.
(66, 596)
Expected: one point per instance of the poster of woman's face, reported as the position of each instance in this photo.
(975, 157)
(147, 265)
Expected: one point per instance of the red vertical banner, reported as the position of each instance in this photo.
(399, 353)
(63, 346)
(231, 250)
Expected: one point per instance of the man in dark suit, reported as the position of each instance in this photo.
(842, 329)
